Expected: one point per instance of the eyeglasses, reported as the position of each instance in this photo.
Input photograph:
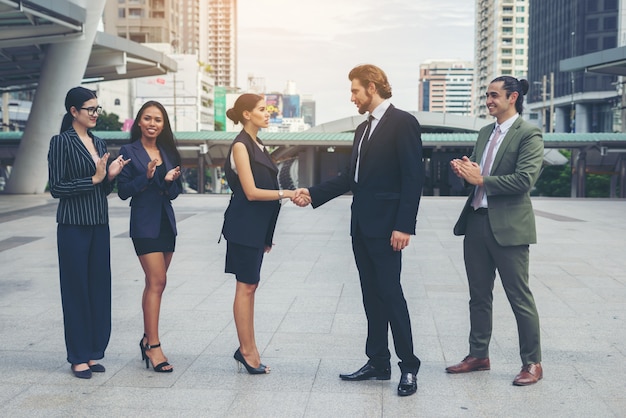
(91, 111)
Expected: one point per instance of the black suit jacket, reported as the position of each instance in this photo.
(391, 176)
(149, 196)
(251, 223)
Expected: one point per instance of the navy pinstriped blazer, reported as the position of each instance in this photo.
(70, 168)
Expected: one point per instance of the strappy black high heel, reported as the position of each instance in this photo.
(159, 368)
(239, 359)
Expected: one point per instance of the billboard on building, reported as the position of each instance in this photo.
(274, 103)
(220, 108)
(291, 106)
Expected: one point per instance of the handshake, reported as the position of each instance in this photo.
(300, 197)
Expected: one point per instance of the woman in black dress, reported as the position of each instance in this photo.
(152, 179)
(250, 218)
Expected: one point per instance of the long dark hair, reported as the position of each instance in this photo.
(75, 97)
(166, 137)
(511, 84)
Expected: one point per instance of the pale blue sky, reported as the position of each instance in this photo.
(316, 42)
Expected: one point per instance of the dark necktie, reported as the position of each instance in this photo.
(366, 136)
(364, 140)
(480, 191)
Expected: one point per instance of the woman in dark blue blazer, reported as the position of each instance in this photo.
(80, 179)
(152, 180)
(250, 218)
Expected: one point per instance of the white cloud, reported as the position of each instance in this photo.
(316, 43)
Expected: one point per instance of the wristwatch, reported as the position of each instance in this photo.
(281, 194)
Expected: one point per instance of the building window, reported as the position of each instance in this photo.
(591, 44)
(592, 25)
(135, 13)
(609, 42)
(610, 23)
(519, 51)
(117, 102)
(520, 31)
(519, 20)
(520, 9)
(610, 4)
(121, 13)
(519, 41)
(519, 62)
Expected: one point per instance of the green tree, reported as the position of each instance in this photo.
(556, 181)
(108, 122)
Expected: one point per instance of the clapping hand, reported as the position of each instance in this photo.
(151, 168)
(116, 166)
(173, 174)
(101, 169)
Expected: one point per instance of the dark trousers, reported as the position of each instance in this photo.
(483, 255)
(379, 270)
(85, 272)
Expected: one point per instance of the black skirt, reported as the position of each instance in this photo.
(244, 262)
(164, 243)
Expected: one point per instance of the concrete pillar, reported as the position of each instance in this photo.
(306, 167)
(560, 119)
(580, 174)
(582, 118)
(5, 112)
(63, 68)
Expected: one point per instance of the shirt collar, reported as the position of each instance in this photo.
(504, 126)
(380, 109)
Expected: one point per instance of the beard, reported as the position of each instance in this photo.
(364, 106)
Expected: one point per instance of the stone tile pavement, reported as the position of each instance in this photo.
(310, 323)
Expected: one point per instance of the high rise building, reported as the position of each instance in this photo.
(561, 29)
(218, 39)
(154, 21)
(446, 87)
(501, 44)
(189, 27)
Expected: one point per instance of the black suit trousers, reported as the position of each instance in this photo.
(85, 273)
(379, 271)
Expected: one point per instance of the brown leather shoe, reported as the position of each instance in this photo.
(470, 364)
(529, 375)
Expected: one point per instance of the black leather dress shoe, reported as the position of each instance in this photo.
(368, 372)
(407, 385)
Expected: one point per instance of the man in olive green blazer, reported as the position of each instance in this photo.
(499, 224)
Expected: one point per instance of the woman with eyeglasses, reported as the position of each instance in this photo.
(81, 178)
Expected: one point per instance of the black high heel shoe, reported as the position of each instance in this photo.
(262, 369)
(143, 353)
(159, 368)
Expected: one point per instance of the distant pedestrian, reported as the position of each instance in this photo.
(152, 181)
(81, 178)
(499, 224)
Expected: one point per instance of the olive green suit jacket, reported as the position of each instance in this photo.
(514, 171)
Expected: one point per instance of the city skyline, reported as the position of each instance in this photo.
(316, 44)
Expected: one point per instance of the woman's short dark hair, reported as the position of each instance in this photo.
(512, 84)
(166, 137)
(75, 98)
(245, 102)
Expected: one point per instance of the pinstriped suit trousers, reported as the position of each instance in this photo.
(85, 273)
